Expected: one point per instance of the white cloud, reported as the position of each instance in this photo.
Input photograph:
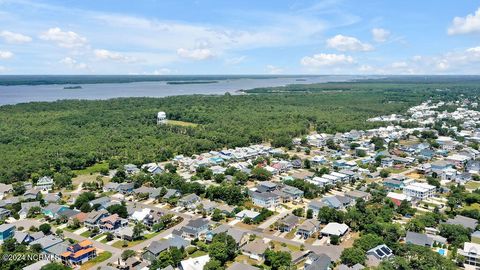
(326, 60)
(72, 63)
(235, 60)
(4, 69)
(465, 25)
(115, 56)
(162, 71)
(271, 69)
(195, 54)
(401, 64)
(380, 34)
(346, 43)
(12, 37)
(5, 54)
(66, 39)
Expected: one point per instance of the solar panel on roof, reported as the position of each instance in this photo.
(386, 250)
(380, 253)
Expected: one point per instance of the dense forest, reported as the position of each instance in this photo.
(72, 134)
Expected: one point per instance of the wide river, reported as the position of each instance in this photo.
(27, 93)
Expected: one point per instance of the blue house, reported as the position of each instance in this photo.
(6, 231)
(53, 210)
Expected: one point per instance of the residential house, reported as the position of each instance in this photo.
(152, 218)
(419, 191)
(466, 222)
(5, 189)
(315, 206)
(4, 213)
(334, 228)
(195, 228)
(358, 194)
(101, 202)
(31, 194)
(208, 206)
(247, 213)
(171, 193)
(25, 208)
(47, 241)
(240, 237)
(308, 228)
(53, 210)
(94, 217)
(471, 253)
(6, 231)
(79, 253)
(475, 237)
(425, 240)
(51, 198)
(125, 233)
(255, 249)
(288, 223)
(265, 199)
(189, 201)
(45, 183)
(318, 262)
(131, 169)
(379, 253)
(293, 193)
(266, 186)
(112, 222)
(156, 247)
(194, 263)
(22, 237)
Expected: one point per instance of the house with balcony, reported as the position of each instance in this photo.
(79, 253)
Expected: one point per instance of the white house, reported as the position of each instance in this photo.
(419, 191)
(161, 118)
(45, 183)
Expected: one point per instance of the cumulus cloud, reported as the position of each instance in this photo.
(271, 69)
(326, 60)
(72, 63)
(195, 54)
(346, 43)
(65, 39)
(465, 25)
(5, 54)
(114, 56)
(380, 34)
(12, 37)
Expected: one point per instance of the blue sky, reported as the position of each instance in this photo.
(239, 37)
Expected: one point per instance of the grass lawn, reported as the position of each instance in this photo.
(245, 258)
(198, 253)
(98, 236)
(293, 248)
(472, 185)
(86, 234)
(100, 258)
(92, 169)
(181, 123)
(291, 234)
(474, 206)
(119, 244)
(69, 230)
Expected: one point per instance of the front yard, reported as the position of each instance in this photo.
(100, 258)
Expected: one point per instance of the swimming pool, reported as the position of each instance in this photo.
(441, 252)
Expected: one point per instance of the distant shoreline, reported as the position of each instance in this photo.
(17, 80)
